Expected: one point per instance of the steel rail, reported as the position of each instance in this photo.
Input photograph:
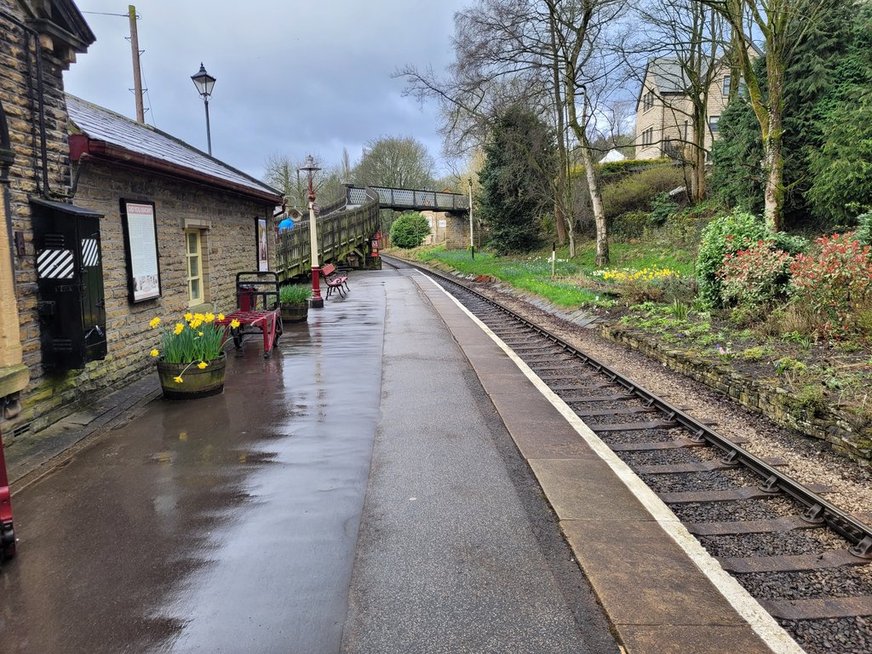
(818, 510)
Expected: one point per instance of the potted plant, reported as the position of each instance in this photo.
(190, 358)
(294, 300)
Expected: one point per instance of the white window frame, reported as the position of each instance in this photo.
(193, 301)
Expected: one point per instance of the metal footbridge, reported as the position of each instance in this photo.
(348, 227)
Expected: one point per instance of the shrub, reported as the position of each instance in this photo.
(635, 192)
(788, 364)
(629, 225)
(676, 288)
(722, 236)
(834, 282)
(662, 207)
(752, 277)
(409, 230)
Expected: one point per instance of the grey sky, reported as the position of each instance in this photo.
(293, 77)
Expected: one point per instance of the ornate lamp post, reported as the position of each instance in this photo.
(310, 167)
(204, 83)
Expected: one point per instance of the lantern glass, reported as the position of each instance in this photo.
(203, 81)
(309, 165)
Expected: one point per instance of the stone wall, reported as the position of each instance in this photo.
(848, 433)
(227, 224)
(20, 91)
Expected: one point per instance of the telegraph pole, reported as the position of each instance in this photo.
(137, 73)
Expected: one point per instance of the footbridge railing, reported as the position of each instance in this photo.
(407, 198)
(344, 233)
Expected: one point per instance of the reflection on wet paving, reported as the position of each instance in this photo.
(221, 524)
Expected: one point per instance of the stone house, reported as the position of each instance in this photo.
(108, 223)
(39, 39)
(664, 113)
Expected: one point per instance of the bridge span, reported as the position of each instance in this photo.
(348, 227)
(405, 199)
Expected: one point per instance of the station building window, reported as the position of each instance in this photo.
(194, 258)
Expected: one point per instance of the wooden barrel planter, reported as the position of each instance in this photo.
(295, 312)
(195, 382)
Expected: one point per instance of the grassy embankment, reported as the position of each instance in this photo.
(651, 287)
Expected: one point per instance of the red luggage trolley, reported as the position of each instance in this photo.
(7, 535)
(258, 309)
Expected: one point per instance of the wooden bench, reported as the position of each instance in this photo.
(335, 280)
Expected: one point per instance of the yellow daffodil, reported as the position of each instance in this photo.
(154, 322)
(178, 379)
(220, 316)
(202, 365)
(179, 328)
(155, 353)
(210, 317)
(199, 317)
(189, 316)
(234, 324)
(199, 333)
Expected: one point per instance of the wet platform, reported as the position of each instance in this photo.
(373, 487)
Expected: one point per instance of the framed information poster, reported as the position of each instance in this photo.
(140, 246)
(262, 250)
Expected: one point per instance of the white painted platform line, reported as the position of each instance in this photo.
(763, 624)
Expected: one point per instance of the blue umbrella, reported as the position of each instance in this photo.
(286, 225)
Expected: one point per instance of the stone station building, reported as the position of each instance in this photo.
(107, 223)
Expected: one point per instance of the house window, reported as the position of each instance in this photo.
(713, 124)
(648, 136)
(194, 256)
(725, 89)
(648, 101)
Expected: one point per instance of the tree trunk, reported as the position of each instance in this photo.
(596, 201)
(560, 208)
(773, 162)
(773, 156)
(699, 153)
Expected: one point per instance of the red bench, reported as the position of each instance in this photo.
(335, 280)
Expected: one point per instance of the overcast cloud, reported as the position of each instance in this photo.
(293, 77)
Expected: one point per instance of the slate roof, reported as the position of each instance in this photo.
(668, 75)
(151, 144)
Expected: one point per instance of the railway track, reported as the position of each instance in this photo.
(805, 560)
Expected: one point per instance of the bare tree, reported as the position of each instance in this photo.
(534, 53)
(396, 162)
(579, 27)
(283, 173)
(498, 63)
(782, 24)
